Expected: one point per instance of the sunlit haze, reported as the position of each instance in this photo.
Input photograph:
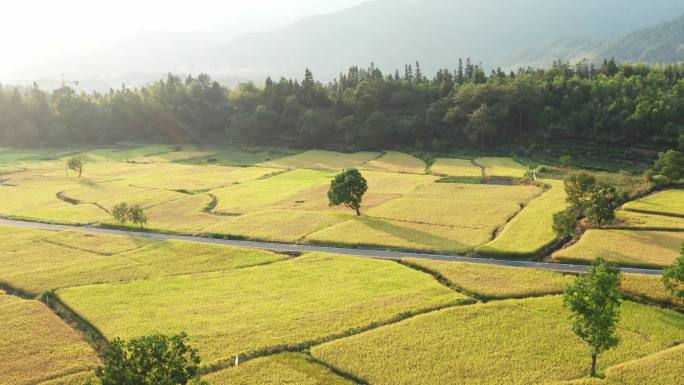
(30, 29)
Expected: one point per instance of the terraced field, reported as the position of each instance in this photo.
(305, 319)
(665, 203)
(519, 333)
(37, 347)
(288, 304)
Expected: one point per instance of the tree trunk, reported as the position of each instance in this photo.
(80, 171)
(358, 212)
(593, 365)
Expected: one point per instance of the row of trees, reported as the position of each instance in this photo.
(365, 108)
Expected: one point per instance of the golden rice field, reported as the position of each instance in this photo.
(287, 368)
(322, 160)
(531, 231)
(34, 261)
(397, 162)
(530, 336)
(495, 282)
(637, 220)
(288, 304)
(669, 202)
(36, 346)
(502, 167)
(456, 167)
(625, 247)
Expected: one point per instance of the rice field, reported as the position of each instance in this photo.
(322, 160)
(502, 167)
(531, 230)
(397, 162)
(649, 288)
(625, 247)
(287, 368)
(637, 220)
(669, 202)
(36, 346)
(460, 344)
(288, 304)
(35, 261)
(496, 282)
(456, 167)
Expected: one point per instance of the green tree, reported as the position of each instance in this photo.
(594, 300)
(151, 360)
(601, 204)
(137, 214)
(566, 161)
(76, 163)
(673, 277)
(670, 165)
(120, 213)
(483, 123)
(564, 223)
(577, 190)
(348, 188)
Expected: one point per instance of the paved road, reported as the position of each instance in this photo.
(286, 247)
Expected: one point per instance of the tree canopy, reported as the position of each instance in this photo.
(348, 188)
(365, 108)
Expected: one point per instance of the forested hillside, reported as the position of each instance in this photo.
(367, 109)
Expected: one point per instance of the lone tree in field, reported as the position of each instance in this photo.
(120, 213)
(601, 204)
(137, 215)
(673, 277)
(348, 188)
(564, 223)
(577, 188)
(150, 360)
(76, 163)
(594, 300)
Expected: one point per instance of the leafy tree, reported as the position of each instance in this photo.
(348, 188)
(137, 215)
(121, 213)
(601, 204)
(670, 165)
(673, 277)
(483, 123)
(76, 164)
(564, 223)
(594, 300)
(151, 360)
(577, 188)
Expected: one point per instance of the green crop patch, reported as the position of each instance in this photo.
(532, 337)
(502, 167)
(496, 282)
(532, 229)
(456, 167)
(669, 202)
(322, 160)
(625, 247)
(36, 346)
(281, 369)
(310, 298)
(397, 162)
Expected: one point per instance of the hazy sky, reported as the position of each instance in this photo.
(31, 27)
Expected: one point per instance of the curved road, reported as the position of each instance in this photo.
(296, 248)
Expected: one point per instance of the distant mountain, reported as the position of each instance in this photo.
(437, 32)
(662, 43)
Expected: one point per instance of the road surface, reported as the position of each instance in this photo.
(296, 248)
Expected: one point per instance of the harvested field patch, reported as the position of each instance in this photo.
(503, 167)
(456, 167)
(322, 160)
